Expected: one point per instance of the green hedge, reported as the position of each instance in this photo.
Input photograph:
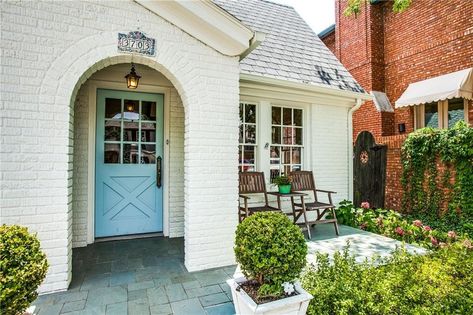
(23, 267)
(438, 283)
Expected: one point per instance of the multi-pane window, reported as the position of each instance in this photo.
(442, 114)
(130, 131)
(286, 140)
(247, 147)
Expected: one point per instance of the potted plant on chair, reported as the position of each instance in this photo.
(271, 252)
(283, 183)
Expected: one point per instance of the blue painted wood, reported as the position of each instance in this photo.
(127, 200)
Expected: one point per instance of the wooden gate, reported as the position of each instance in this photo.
(369, 168)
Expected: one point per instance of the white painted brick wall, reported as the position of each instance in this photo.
(47, 48)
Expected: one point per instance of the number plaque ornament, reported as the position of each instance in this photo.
(136, 42)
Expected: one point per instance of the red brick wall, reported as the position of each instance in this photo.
(329, 41)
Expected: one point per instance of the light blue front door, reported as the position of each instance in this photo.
(128, 165)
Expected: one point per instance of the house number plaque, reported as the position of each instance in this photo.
(136, 42)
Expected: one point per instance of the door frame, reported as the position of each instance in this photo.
(120, 86)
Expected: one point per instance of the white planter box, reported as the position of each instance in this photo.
(244, 304)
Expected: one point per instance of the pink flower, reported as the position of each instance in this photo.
(434, 241)
(417, 223)
(452, 234)
(365, 205)
(467, 244)
(427, 228)
(399, 231)
(363, 226)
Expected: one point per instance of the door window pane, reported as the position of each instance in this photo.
(130, 131)
(112, 153)
(148, 153)
(148, 110)
(247, 138)
(431, 115)
(276, 113)
(276, 135)
(113, 108)
(250, 113)
(131, 110)
(148, 132)
(287, 116)
(298, 117)
(130, 153)
(112, 130)
(455, 111)
(250, 134)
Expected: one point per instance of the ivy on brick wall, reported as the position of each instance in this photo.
(430, 159)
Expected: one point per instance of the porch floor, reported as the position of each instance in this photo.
(148, 276)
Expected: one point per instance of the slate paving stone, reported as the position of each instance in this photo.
(222, 309)
(157, 295)
(183, 278)
(140, 285)
(100, 268)
(196, 292)
(187, 307)
(162, 309)
(51, 309)
(138, 307)
(135, 263)
(213, 299)
(117, 309)
(211, 277)
(191, 284)
(73, 306)
(95, 281)
(90, 310)
(226, 288)
(120, 265)
(104, 296)
(137, 294)
(124, 277)
(175, 292)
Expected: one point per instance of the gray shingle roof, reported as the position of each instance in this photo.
(291, 50)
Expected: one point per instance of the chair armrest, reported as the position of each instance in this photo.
(326, 191)
(244, 197)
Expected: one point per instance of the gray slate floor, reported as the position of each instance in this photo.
(142, 276)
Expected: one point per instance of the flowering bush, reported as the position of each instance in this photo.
(438, 283)
(392, 224)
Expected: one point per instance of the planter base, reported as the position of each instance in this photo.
(244, 304)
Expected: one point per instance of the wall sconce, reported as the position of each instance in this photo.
(132, 78)
(401, 127)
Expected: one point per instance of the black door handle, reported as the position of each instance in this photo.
(158, 172)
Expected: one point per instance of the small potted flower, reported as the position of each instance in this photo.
(283, 183)
(271, 252)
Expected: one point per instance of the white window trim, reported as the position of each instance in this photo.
(419, 114)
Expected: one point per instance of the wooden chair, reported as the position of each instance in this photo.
(303, 181)
(252, 183)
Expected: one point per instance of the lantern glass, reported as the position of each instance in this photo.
(132, 79)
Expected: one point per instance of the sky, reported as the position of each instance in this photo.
(319, 14)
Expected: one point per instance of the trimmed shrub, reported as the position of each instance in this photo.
(23, 267)
(271, 250)
(438, 283)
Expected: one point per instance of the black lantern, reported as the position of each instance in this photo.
(132, 78)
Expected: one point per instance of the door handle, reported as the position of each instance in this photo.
(158, 172)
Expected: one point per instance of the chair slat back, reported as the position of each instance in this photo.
(252, 183)
(303, 181)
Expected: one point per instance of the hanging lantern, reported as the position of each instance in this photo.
(132, 78)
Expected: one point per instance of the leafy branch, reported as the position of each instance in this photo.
(355, 6)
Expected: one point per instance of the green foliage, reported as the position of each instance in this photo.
(394, 225)
(271, 250)
(355, 6)
(282, 180)
(23, 267)
(425, 190)
(437, 283)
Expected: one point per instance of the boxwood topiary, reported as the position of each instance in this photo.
(270, 250)
(23, 267)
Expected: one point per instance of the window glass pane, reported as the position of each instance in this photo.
(240, 139)
(296, 168)
(240, 154)
(296, 156)
(148, 132)
(274, 173)
(288, 135)
(112, 153)
(298, 117)
(250, 134)
(275, 158)
(250, 113)
(298, 136)
(148, 110)
(148, 154)
(131, 110)
(241, 112)
(276, 114)
(249, 155)
(455, 111)
(130, 131)
(285, 155)
(112, 130)
(431, 115)
(287, 116)
(130, 153)
(113, 108)
(276, 135)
